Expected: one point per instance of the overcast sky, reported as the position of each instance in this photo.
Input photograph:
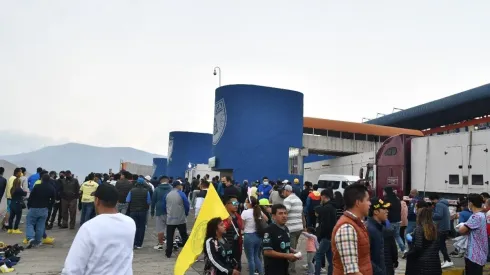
(125, 73)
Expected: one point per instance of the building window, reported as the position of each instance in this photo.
(295, 163)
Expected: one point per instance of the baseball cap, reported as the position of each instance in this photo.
(377, 203)
(176, 183)
(106, 192)
(296, 180)
(285, 181)
(148, 178)
(288, 188)
(264, 202)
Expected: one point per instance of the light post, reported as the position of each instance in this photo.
(218, 73)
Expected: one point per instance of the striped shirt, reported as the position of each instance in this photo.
(294, 205)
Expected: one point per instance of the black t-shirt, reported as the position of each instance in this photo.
(277, 239)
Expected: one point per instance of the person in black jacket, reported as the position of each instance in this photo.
(57, 201)
(395, 215)
(327, 220)
(42, 195)
(378, 214)
(391, 250)
(3, 183)
(217, 252)
(423, 256)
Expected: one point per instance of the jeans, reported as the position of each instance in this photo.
(325, 249)
(35, 224)
(140, 221)
(87, 209)
(309, 259)
(252, 244)
(396, 230)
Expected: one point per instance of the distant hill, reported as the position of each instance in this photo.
(81, 159)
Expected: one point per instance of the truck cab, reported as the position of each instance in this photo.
(393, 166)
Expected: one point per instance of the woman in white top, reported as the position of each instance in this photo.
(254, 224)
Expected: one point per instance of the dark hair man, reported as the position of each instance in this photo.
(230, 190)
(443, 220)
(394, 215)
(327, 217)
(58, 186)
(350, 244)
(378, 214)
(277, 244)
(176, 206)
(3, 183)
(41, 196)
(159, 196)
(139, 200)
(34, 177)
(17, 174)
(123, 186)
(23, 179)
(97, 251)
(313, 201)
(69, 198)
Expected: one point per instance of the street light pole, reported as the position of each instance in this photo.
(219, 75)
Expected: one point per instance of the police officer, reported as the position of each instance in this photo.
(277, 244)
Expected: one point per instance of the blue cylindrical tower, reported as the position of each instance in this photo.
(160, 166)
(185, 148)
(254, 128)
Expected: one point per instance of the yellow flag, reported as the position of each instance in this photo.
(212, 207)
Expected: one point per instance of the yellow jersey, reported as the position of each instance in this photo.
(87, 189)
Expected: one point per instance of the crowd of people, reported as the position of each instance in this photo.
(345, 233)
(353, 232)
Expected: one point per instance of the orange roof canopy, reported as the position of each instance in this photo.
(359, 128)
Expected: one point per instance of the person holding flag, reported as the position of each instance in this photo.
(217, 251)
(211, 208)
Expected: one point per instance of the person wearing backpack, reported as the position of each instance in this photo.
(255, 223)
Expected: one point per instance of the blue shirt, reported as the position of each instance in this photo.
(464, 215)
(31, 180)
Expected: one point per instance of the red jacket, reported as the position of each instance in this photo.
(228, 225)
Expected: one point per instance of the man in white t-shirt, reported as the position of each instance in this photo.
(96, 251)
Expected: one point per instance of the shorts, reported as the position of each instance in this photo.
(161, 223)
(8, 205)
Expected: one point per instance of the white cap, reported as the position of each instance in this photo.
(148, 178)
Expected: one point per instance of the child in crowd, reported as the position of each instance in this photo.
(311, 247)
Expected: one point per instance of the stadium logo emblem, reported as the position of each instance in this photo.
(170, 148)
(219, 120)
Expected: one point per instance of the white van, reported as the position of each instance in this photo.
(335, 182)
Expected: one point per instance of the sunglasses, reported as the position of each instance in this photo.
(234, 203)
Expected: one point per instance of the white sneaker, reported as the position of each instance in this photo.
(158, 247)
(447, 264)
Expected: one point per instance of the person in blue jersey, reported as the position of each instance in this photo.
(34, 177)
(264, 189)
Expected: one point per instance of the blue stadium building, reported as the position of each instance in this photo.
(255, 130)
(160, 167)
(185, 148)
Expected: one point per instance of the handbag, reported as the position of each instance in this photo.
(23, 204)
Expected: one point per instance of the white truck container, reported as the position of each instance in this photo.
(139, 169)
(200, 169)
(454, 164)
(348, 165)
